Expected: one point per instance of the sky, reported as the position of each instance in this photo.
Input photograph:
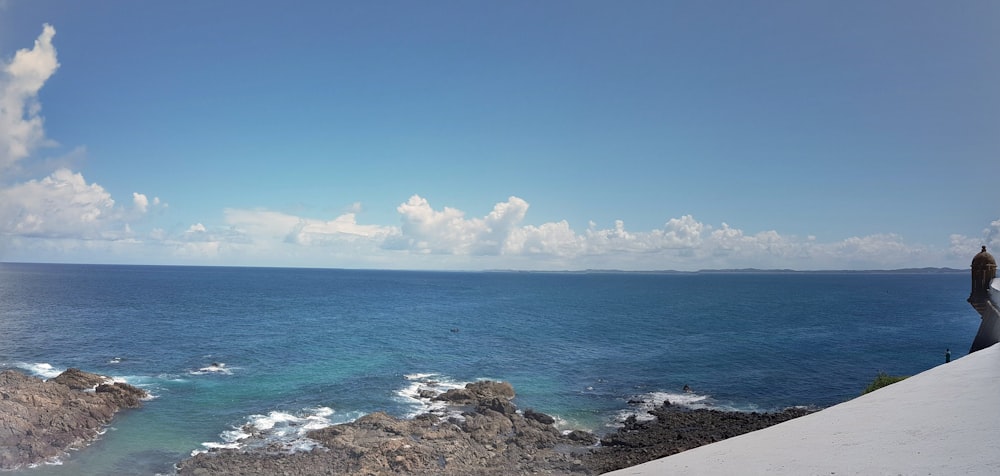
(464, 135)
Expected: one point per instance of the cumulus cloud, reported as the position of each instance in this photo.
(682, 233)
(991, 235)
(140, 201)
(65, 205)
(448, 231)
(448, 237)
(21, 123)
(549, 239)
(963, 246)
(60, 205)
(681, 243)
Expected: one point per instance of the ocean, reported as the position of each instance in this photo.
(226, 351)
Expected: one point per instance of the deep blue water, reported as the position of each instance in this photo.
(312, 347)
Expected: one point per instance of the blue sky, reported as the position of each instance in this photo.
(480, 135)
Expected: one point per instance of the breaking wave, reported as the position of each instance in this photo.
(278, 430)
(641, 405)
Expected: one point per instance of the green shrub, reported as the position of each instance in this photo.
(881, 380)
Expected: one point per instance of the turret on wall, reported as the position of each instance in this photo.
(984, 299)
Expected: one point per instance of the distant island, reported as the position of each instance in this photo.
(928, 270)
(840, 271)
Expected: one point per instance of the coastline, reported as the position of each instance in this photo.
(41, 420)
(478, 430)
(335, 350)
(942, 421)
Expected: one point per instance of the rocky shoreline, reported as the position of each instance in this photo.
(490, 437)
(477, 430)
(677, 429)
(42, 419)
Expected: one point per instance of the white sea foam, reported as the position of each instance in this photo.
(47, 371)
(427, 383)
(40, 369)
(277, 429)
(53, 461)
(567, 426)
(641, 405)
(146, 383)
(213, 368)
(419, 376)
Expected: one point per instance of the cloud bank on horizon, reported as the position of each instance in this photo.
(60, 216)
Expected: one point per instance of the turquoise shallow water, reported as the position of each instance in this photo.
(300, 348)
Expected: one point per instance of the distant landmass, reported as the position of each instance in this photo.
(927, 270)
(867, 271)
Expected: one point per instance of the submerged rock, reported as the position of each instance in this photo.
(40, 420)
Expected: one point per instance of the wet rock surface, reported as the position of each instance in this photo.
(491, 438)
(677, 429)
(40, 420)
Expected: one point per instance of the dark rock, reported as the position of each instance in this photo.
(122, 394)
(539, 417)
(676, 429)
(489, 388)
(490, 439)
(77, 379)
(498, 404)
(476, 392)
(581, 436)
(457, 395)
(426, 393)
(40, 420)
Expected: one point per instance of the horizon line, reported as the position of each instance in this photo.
(914, 270)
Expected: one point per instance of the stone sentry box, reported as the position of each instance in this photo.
(985, 300)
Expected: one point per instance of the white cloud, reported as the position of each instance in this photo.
(60, 205)
(964, 246)
(447, 231)
(21, 125)
(684, 233)
(64, 205)
(344, 227)
(264, 225)
(552, 239)
(140, 201)
(991, 235)
(682, 243)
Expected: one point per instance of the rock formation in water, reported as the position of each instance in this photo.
(677, 429)
(491, 438)
(40, 420)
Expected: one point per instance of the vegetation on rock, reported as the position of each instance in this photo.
(881, 380)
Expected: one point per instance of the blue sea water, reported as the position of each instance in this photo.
(280, 351)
